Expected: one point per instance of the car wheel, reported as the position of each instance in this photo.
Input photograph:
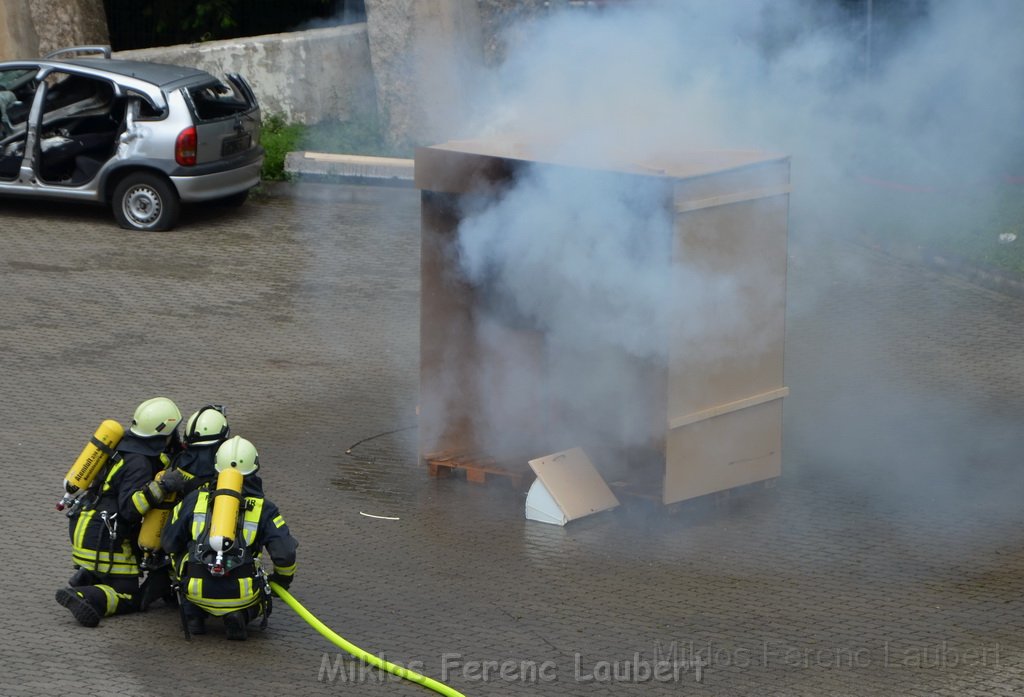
(146, 202)
(234, 200)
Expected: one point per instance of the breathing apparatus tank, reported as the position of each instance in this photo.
(223, 523)
(91, 460)
(236, 458)
(155, 519)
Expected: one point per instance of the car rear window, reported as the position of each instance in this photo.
(217, 100)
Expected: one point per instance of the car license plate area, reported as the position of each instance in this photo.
(232, 146)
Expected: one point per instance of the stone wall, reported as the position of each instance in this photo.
(17, 34)
(307, 77)
(408, 67)
(424, 54)
(32, 28)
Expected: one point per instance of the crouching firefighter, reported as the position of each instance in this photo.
(204, 432)
(104, 521)
(215, 539)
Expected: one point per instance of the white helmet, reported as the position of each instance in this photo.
(155, 417)
(207, 426)
(238, 453)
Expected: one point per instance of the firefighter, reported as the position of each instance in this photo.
(215, 538)
(204, 432)
(105, 529)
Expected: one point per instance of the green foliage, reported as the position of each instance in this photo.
(215, 14)
(357, 136)
(360, 136)
(983, 228)
(146, 23)
(278, 139)
(996, 240)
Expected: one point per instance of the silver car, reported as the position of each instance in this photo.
(140, 137)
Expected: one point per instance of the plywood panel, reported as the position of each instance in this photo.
(728, 331)
(724, 452)
(573, 482)
(448, 353)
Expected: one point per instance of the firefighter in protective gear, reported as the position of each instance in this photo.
(236, 591)
(104, 531)
(204, 432)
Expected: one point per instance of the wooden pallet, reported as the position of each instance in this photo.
(477, 468)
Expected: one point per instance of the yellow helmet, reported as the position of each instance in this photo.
(237, 453)
(155, 417)
(207, 426)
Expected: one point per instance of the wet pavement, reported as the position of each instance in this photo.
(888, 559)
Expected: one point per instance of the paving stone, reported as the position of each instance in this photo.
(891, 545)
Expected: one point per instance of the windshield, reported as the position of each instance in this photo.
(12, 79)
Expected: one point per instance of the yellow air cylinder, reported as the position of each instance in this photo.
(225, 510)
(91, 460)
(155, 519)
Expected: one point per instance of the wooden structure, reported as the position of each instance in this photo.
(713, 404)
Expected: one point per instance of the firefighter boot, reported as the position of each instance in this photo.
(82, 609)
(196, 625)
(195, 618)
(235, 625)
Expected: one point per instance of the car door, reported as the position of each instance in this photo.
(18, 86)
(80, 118)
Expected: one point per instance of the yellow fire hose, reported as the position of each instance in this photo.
(342, 643)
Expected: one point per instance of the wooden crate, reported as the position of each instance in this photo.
(715, 416)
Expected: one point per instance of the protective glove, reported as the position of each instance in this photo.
(157, 490)
(173, 481)
(281, 580)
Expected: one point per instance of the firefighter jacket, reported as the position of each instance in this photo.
(261, 526)
(195, 463)
(104, 532)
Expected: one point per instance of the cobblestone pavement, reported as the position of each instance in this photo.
(887, 561)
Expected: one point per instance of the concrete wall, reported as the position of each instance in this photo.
(424, 55)
(17, 33)
(31, 28)
(308, 76)
(63, 23)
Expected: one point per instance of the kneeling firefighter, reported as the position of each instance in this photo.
(104, 521)
(215, 539)
(204, 432)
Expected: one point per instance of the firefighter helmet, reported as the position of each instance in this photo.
(155, 417)
(207, 426)
(237, 453)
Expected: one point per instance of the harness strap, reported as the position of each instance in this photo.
(101, 446)
(196, 569)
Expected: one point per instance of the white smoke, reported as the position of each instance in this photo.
(936, 106)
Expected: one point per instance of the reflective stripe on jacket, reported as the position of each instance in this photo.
(219, 595)
(91, 545)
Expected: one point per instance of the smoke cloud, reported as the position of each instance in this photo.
(929, 101)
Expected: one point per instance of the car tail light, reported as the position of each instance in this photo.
(185, 147)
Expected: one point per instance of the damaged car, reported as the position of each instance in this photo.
(143, 138)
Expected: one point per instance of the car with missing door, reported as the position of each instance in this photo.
(143, 138)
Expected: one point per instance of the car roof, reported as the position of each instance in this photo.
(161, 74)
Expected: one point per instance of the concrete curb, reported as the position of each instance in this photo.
(988, 278)
(350, 168)
(393, 171)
